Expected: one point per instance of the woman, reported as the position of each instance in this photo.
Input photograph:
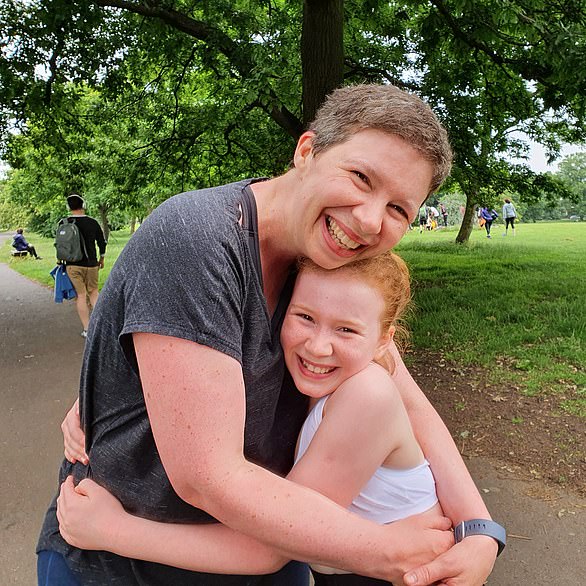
(489, 216)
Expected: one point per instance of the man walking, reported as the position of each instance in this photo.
(84, 273)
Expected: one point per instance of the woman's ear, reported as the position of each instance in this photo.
(304, 149)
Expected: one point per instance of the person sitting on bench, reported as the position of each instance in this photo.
(21, 245)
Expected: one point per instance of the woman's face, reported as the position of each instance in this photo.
(357, 198)
(331, 331)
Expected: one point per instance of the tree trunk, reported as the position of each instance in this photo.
(104, 221)
(467, 224)
(322, 52)
(132, 225)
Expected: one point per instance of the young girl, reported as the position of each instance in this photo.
(356, 446)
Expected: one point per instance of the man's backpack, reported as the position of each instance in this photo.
(69, 244)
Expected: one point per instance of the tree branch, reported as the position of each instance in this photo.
(526, 69)
(214, 37)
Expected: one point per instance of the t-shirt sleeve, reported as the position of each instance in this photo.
(101, 241)
(184, 276)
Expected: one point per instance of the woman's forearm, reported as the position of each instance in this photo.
(307, 526)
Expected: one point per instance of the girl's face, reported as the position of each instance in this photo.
(331, 331)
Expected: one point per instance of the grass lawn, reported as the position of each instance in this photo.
(513, 305)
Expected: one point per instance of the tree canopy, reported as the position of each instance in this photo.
(133, 100)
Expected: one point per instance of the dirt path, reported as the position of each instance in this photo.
(40, 355)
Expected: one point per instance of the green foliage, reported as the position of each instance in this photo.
(132, 102)
(12, 215)
(572, 172)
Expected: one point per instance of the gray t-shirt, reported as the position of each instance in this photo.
(188, 272)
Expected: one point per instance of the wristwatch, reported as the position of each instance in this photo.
(481, 527)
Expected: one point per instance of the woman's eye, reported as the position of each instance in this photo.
(361, 176)
(305, 317)
(399, 209)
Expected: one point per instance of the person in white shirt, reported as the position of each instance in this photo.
(509, 215)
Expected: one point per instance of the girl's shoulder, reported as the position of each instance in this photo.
(372, 387)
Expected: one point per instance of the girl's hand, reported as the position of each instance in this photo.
(89, 516)
(73, 436)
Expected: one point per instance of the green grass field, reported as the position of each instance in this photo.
(515, 306)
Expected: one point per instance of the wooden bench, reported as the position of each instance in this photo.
(18, 254)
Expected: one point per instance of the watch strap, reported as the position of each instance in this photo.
(481, 527)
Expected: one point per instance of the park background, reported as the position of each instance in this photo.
(129, 103)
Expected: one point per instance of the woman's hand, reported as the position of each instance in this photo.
(73, 436)
(88, 514)
(468, 563)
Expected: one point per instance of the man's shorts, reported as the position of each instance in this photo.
(84, 279)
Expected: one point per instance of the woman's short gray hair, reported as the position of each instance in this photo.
(350, 109)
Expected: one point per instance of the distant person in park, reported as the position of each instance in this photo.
(188, 410)
(444, 213)
(335, 339)
(509, 215)
(84, 273)
(423, 215)
(20, 244)
(434, 212)
(489, 216)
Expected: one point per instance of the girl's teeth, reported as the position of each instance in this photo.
(316, 369)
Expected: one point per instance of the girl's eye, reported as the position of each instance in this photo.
(305, 316)
(347, 330)
(400, 210)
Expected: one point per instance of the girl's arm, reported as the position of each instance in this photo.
(91, 518)
(457, 493)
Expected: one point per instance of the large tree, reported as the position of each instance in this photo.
(488, 67)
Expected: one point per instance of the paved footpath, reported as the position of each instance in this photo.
(40, 356)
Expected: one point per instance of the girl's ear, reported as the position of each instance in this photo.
(304, 149)
(384, 343)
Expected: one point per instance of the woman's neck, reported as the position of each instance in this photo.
(276, 255)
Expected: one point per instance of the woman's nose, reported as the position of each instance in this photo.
(369, 216)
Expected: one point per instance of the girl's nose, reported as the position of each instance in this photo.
(319, 344)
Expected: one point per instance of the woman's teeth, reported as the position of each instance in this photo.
(339, 236)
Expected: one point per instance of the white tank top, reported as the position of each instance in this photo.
(390, 494)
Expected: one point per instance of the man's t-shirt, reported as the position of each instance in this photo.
(91, 233)
(188, 272)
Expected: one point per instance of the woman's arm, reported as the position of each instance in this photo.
(91, 518)
(190, 387)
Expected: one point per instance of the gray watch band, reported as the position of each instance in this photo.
(481, 527)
